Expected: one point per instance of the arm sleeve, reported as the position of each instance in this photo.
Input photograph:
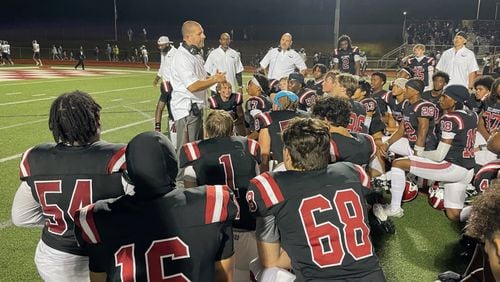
(26, 211)
(266, 229)
(439, 154)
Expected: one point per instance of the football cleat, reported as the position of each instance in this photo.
(394, 213)
(382, 220)
(436, 197)
(380, 183)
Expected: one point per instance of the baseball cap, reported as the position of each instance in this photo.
(400, 82)
(457, 92)
(462, 34)
(164, 40)
(284, 93)
(296, 76)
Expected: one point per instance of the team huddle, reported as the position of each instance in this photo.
(275, 187)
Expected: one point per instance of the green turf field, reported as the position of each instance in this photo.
(423, 246)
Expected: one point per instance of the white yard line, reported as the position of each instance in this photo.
(116, 100)
(16, 156)
(139, 111)
(65, 80)
(118, 90)
(27, 101)
(38, 95)
(12, 93)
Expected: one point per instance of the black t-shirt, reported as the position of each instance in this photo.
(358, 149)
(226, 160)
(322, 219)
(178, 235)
(65, 178)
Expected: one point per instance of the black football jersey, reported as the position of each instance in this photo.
(427, 95)
(371, 106)
(475, 104)
(410, 115)
(463, 124)
(307, 99)
(226, 160)
(421, 68)
(261, 103)
(322, 219)
(357, 118)
(379, 97)
(275, 122)
(491, 114)
(64, 178)
(229, 106)
(346, 59)
(395, 107)
(179, 235)
(316, 86)
(485, 175)
(358, 149)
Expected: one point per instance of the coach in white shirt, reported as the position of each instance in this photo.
(459, 62)
(189, 82)
(167, 52)
(282, 60)
(225, 59)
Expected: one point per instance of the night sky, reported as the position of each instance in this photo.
(309, 12)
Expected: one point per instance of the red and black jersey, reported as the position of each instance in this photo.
(427, 95)
(179, 235)
(357, 118)
(485, 175)
(461, 125)
(346, 59)
(371, 106)
(491, 114)
(358, 149)
(410, 115)
(64, 178)
(307, 99)
(322, 219)
(395, 107)
(379, 97)
(421, 68)
(260, 103)
(275, 122)
(229, 106)
(316, 86)
(225, 160)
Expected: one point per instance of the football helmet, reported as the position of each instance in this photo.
(410, 192)
(436, 197)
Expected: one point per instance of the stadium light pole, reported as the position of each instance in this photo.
(336, 24)
(496, 10)
(478, 8)
(116, 17)
(404, 27)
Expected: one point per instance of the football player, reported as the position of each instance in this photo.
(439, 81)
(395, 101)
(482, 87)
(312, 202)
(307, 97)
(316, 84)
(230, 160)
(452, 161)
(422, 66)
(159, 233)
(344, 85)
(362, 94)
(484, 177)
(346, 57)
(258, 102)
(378, 80)
(230, 102)
(57, 179)
(271, 124)
(404, 72)
(489, 120)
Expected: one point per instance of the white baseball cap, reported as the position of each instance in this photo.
(164, 40)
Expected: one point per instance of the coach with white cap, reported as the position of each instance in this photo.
(283, 60)
(164, 74)
(225, 59)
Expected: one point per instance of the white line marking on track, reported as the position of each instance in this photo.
(116, 100)
(12, 93)
(27, 101)
(16, 156)
(38, 95)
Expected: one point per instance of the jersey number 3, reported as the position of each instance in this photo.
(327, 242)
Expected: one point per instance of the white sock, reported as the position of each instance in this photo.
(398, 180)
(465, 213)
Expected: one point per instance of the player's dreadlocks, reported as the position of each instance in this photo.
(344, 37)
(75, 119)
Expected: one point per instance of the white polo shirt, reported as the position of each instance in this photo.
(225, 61)
(282, 63)
(36, 47)
(165, 71)
(186, 70)
(458, 65)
